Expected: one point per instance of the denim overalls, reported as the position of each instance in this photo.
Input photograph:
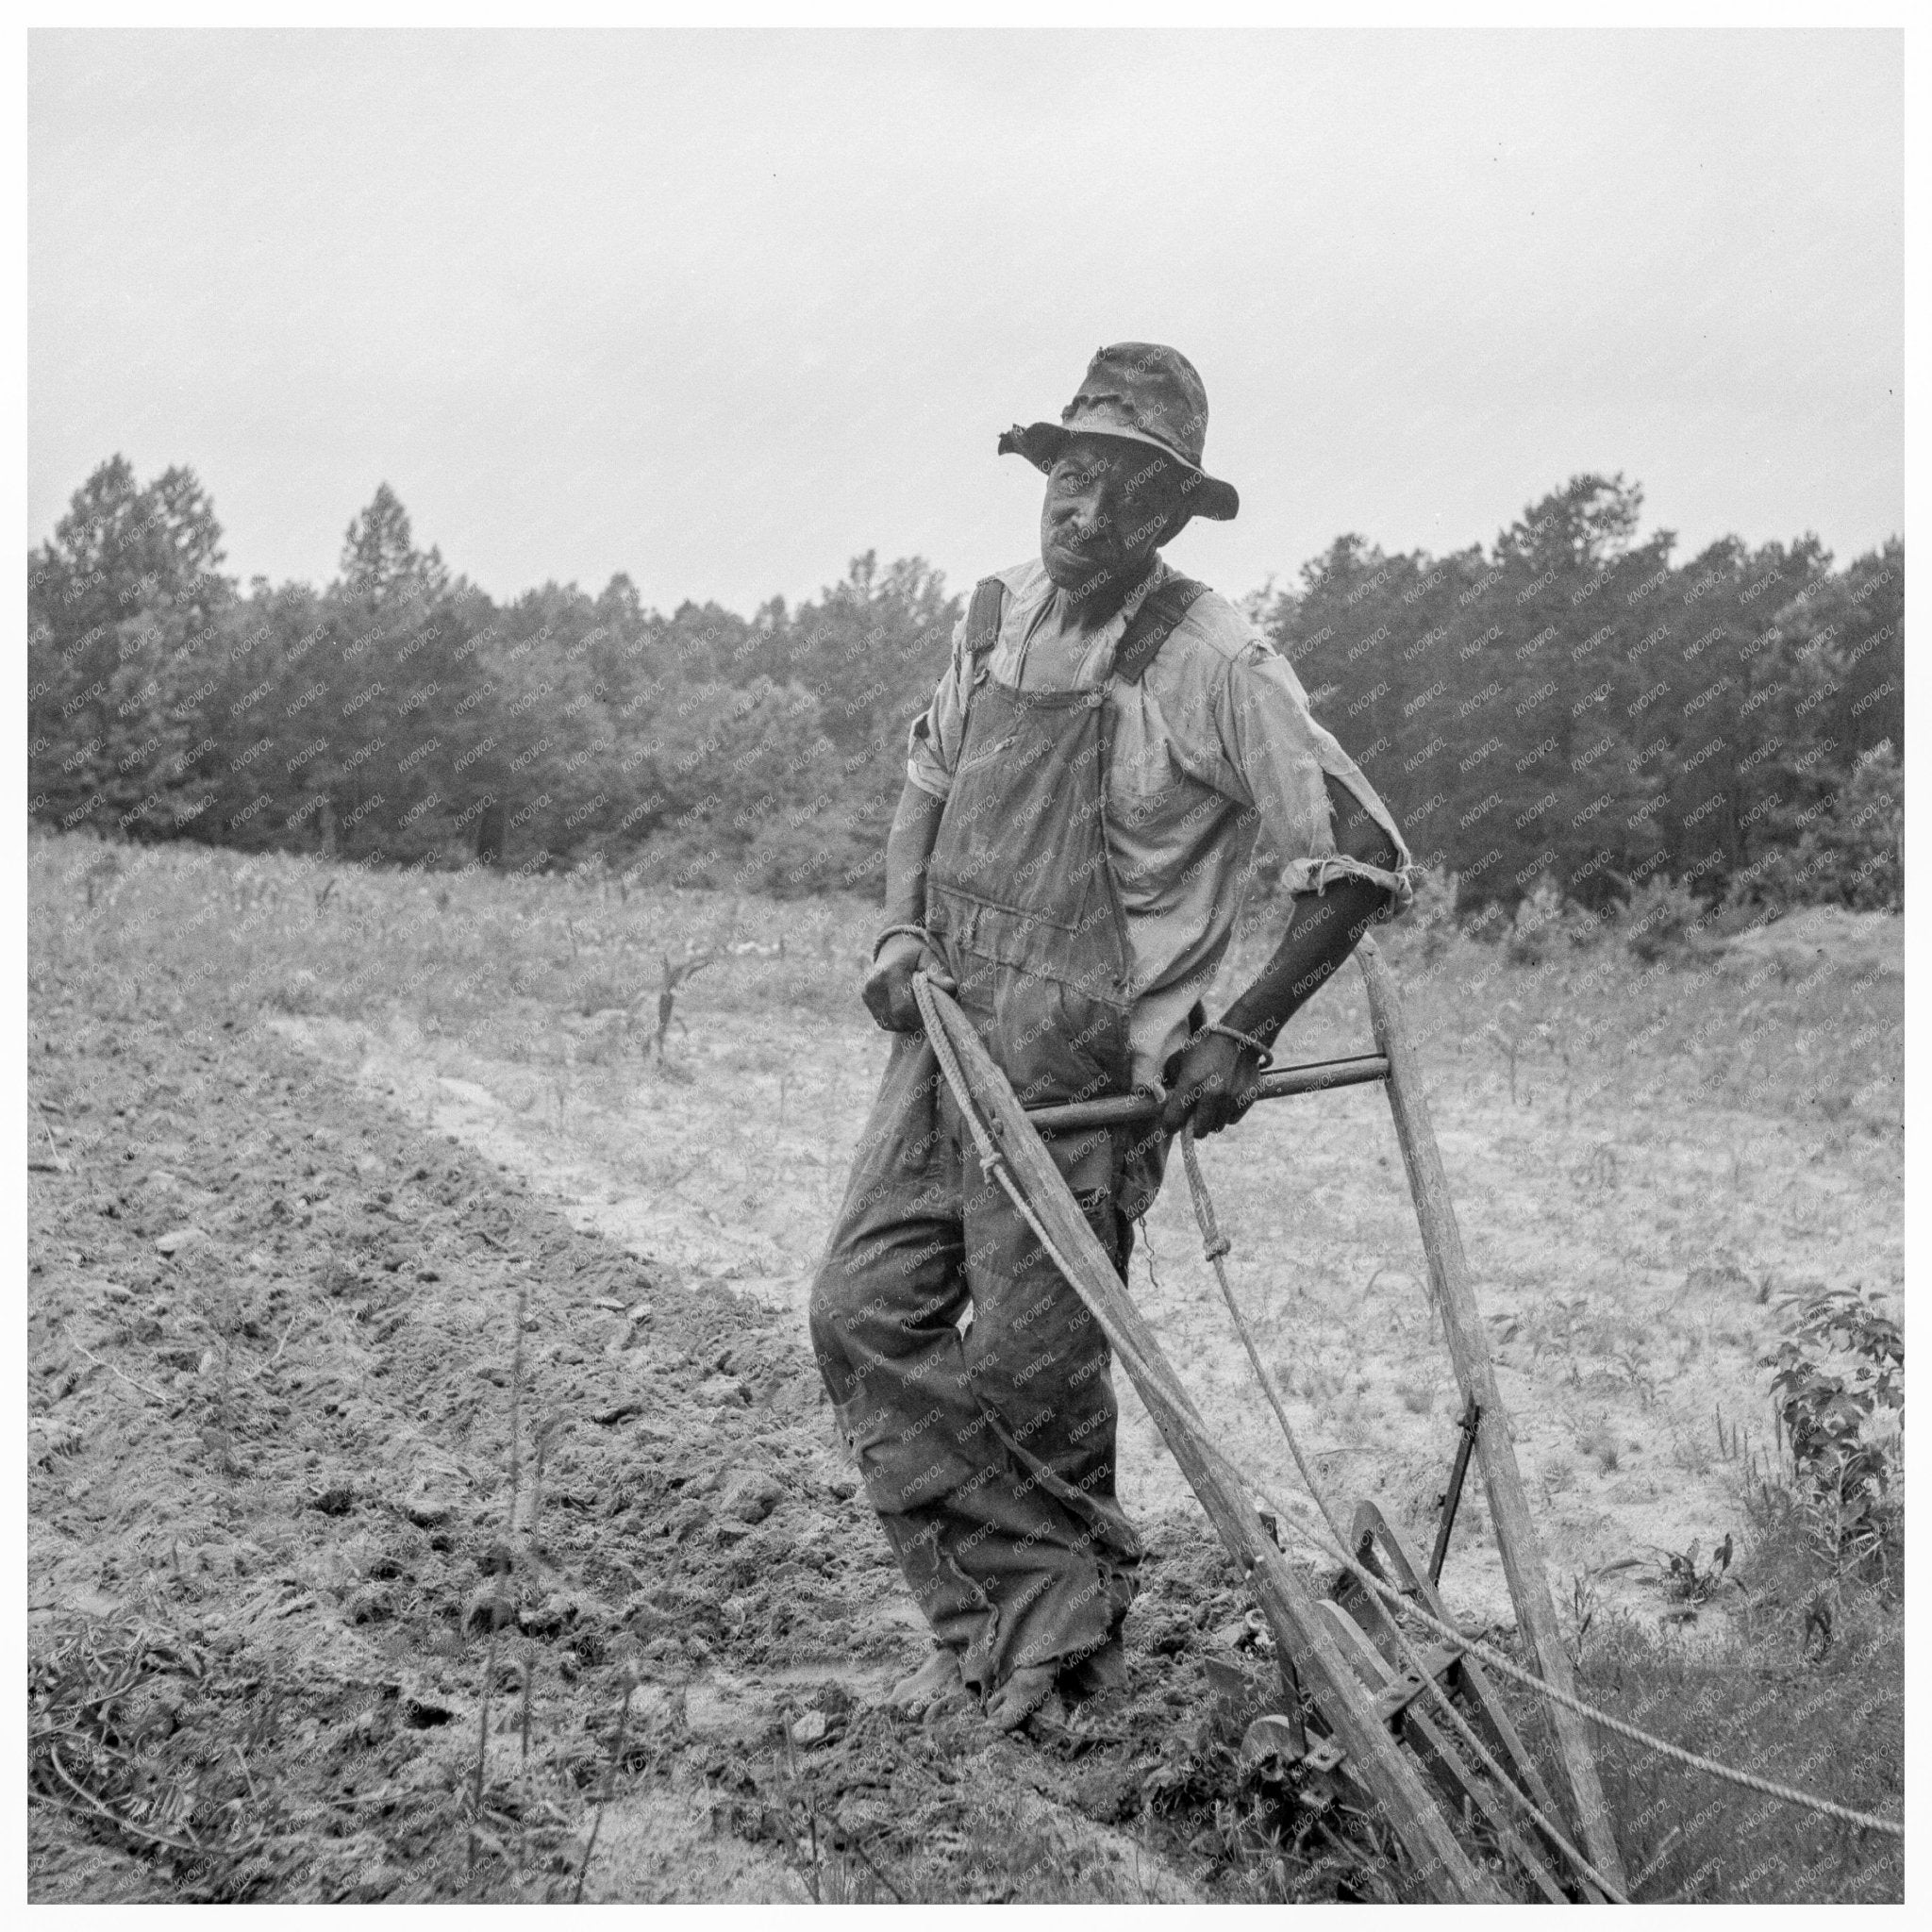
(988, 1454)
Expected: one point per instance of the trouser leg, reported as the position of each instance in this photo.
(1051, 1546)
(885, 1308)
(989, 1461)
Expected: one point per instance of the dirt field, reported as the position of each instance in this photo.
(308, 1141)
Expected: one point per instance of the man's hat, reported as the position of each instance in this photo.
(1144, 393)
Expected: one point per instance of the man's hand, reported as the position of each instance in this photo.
(888, 989)
(1215, 1083)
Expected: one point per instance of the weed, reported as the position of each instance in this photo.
(1510, 1036)
(516, 1402)
(674, 976)
(1844, 1429)
(631, 1685)
(1835, 1728)
(1418, 1398)
(1634, 1360)
(113, 1739)
(1685, 1582)
(1586, 1600)
(499, 1610)
(221, 1307)
(1557, 1323)
(1599, 1442)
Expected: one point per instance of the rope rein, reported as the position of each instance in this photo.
(1174, 1398)
(1215, 1247)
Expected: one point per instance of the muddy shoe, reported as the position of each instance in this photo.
(933, 1682)
(1020, 1696)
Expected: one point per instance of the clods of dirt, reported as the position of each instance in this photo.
(371, 1569)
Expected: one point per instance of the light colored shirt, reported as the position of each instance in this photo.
(1215, 741)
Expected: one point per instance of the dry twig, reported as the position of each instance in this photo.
(76, 1342)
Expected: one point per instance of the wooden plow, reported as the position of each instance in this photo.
(1417, 1726)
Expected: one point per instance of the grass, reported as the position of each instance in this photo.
(1833, 1726)
(1801, 1681)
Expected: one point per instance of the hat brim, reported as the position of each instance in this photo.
(1040, 443)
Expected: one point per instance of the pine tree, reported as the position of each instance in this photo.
(127, 609)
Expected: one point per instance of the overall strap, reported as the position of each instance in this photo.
(982, 633)
(983, 617)
(1158, 619)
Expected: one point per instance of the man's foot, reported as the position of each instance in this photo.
(1020, 1696)
(933, 1682)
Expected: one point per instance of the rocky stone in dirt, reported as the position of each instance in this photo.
(490, 1607)
(558, 1612)
(178, 1239)
(752, 1496)
(1108, 1793)
(617, 1412)
(427, 1506)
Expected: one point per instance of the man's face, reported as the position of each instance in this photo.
(1108, 505)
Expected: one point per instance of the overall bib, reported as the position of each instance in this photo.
(969, 1377)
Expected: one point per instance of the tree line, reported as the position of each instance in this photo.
(1566, 709)
(1571, 705)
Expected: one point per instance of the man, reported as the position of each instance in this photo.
(1081, 806)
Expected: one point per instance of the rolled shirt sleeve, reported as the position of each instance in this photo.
(1280, 758)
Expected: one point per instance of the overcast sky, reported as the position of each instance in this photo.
(721, 311)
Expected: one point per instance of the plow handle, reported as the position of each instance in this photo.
(1311, 1076)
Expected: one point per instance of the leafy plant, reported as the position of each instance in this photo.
(1838, 1423)
(1686, 1580)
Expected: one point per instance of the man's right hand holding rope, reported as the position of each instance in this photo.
(903, 949)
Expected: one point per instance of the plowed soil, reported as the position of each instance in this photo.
(347, 1584)
(278, 1506)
